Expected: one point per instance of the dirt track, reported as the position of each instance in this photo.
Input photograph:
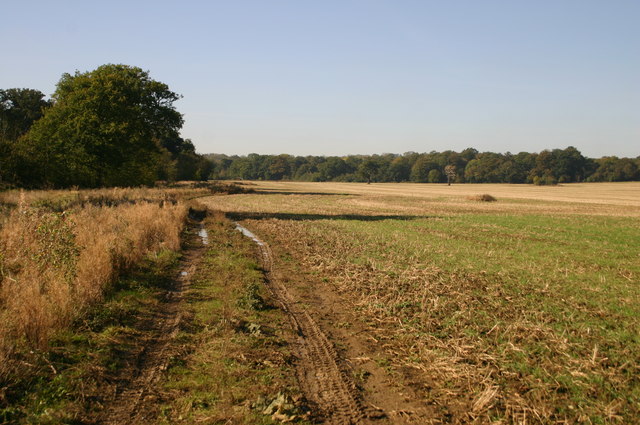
(136, 390)
(319, 374)
(324, 375)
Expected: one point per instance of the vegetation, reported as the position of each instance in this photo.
(62, 251)
(70, 381)
(522, 310)
(57, 262)
(238, 369)
(548, 167)
(230, 359)
(114, 126)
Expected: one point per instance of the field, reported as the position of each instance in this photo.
(523, 310)
(354, 304)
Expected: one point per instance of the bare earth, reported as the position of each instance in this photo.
(325, 376)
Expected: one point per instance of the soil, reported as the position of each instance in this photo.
(346, 385)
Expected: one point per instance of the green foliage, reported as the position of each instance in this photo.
(613, 169)
(422, 167)
(19, 109)
(435, 176)
(369, 169)
(547, 167)
(104, 129)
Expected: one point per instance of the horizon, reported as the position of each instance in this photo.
(411, 152)
(336, 78)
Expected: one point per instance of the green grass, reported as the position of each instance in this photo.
(238, 360)
(543, 306)
(67, 381)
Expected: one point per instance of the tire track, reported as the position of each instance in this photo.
(319, 373)
(135, 394)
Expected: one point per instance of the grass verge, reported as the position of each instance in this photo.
(69, 382)
(239, 367)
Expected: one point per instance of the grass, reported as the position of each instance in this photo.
(238, 362)
(68, 382)
(62, 251)
(520, 310)
(230, 362)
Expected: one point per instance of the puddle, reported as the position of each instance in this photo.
(248, 234)
(203, 235)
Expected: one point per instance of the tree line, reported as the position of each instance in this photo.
(469, 166)
(113, 126)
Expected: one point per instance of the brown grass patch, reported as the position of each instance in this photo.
(55, 264)
(482, 198)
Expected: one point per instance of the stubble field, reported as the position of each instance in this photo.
(523, 310)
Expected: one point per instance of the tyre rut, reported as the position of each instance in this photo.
(323, 380)
(135, 394)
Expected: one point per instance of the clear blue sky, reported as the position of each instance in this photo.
(345, 76)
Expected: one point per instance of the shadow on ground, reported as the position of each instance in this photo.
(283, 192)
(237, 216)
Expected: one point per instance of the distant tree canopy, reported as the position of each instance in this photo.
(114, 126)
(547, 167)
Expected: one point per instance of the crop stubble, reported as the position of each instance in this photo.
(519, 310)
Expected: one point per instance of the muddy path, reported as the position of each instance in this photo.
(135, 394)
(326, 374)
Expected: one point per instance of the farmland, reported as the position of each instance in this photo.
(520, 310)
(355, 303)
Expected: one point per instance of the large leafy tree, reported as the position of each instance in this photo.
(105, 129)
(19, 109)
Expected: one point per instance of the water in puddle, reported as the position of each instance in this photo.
(204, 236)
(248, 234)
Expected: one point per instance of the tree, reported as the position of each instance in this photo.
(278, 167)
(104, 129)
(450, 171)
(422, 167)
(19, 109)
(332, 168)
(435, 176)
(399, 169)
(487, 167)
(612, 168)
(368, 169)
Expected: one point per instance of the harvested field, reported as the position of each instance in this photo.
(524, 310)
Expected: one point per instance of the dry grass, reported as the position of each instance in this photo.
(518, 311)
(605, 195)
(55, 264)
(482, 198)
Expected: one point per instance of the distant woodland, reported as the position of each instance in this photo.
(115, 126)
(469, 166)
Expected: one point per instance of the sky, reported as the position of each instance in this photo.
(338, 77)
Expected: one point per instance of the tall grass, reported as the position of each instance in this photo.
(55, 262)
